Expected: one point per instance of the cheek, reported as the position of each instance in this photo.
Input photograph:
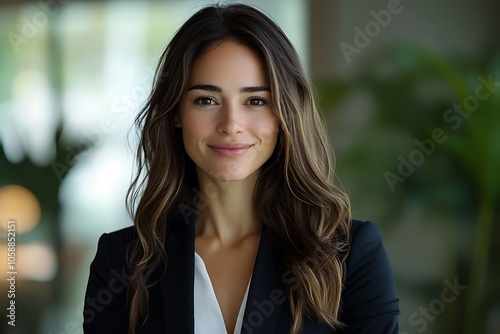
(267, 129)
(193, 127)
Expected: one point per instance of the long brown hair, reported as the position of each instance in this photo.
(307, 215)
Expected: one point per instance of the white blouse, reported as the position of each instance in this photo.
(208, 317)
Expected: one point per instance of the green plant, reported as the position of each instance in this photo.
(413, 93)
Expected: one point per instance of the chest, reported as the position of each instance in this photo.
(230, 271)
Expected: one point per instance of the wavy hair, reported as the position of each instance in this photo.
(307, 215)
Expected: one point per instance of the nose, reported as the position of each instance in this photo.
(231, 120)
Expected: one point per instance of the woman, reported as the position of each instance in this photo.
(237, 225)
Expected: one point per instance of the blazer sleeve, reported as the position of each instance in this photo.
(369, 301)
(105, 299)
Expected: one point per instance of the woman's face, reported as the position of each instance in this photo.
(226, 115)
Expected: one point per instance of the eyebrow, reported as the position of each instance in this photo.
(212, 88)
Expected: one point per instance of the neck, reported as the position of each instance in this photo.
(227, 211)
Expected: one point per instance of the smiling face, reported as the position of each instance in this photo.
(226, 114)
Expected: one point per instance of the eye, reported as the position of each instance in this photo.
(257, 101)
(205, 101)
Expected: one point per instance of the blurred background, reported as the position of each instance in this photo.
(410, 91)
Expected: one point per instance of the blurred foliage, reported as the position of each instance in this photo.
(414, 93)
(44, 182)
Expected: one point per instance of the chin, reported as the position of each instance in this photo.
(232, 175)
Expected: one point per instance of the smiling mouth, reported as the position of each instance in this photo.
(230, 150)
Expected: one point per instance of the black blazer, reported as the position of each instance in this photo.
(369, 300)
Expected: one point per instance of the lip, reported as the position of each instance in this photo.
(230, 150)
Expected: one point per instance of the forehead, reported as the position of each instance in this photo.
(229, 63)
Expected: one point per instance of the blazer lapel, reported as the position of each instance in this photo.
(177, 285)
(267, 291)
(266, 294)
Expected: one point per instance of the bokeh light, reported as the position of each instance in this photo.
(19, 204)
(35, 262)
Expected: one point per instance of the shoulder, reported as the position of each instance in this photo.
(105, 307)
(120, 237)
(124, 235)
(112, 247)
(364, 234)
(369, 298)
(366, 254)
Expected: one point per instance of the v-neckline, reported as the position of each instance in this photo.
(268, 282)
(204, 291)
